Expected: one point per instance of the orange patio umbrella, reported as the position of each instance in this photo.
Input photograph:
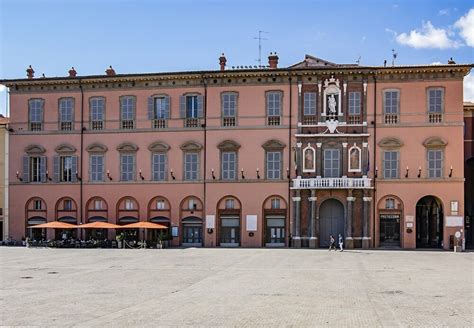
(98, 225)
(54, 225)
(143, 225)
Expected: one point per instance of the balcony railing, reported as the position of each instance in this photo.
(332, 183)
(435, 117)
(66, 126)
(228, 121)
(127, 124)
(273, 120)
(34, 126)
(391, 118)
(191, 122)
(159, 123)
(97, 125)
(310, 120)
(354, 119)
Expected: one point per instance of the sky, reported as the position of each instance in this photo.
(136, 36)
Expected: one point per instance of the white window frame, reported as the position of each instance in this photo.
(305, 169)
(391, 169)
(359, 168)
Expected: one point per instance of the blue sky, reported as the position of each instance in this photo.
(155, 36)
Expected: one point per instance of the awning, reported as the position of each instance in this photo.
(68, 219)
(143, 225)
(160, 219)
(55, 225)
(97, 219)
(36, 220)
(98, 225)
(127, 219)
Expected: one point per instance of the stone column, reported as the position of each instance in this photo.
(297, 220)
(365, 158)
(344, 159)
(350, 211)
(319, 159)
(313, 240)
(320, 102)
(300, 115)
(366, 224)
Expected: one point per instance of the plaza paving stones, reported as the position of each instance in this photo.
(235, 288)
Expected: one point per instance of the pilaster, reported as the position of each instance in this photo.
(297, 220)
(313, 240)
(350, 210)
(366, 226)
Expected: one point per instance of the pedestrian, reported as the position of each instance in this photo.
(332, 242)
(341, 242)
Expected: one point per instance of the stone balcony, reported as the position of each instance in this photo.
(332, 183)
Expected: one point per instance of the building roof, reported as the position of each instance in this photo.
(4, 120)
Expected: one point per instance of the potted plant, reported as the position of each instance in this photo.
(119, 238)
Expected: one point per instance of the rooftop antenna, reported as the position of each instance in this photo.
(394, 56)
(260, 47)
(358, 60)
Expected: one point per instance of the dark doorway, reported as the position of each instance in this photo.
(429, 223)
(469, 202)
(389, 229)
(331, 220)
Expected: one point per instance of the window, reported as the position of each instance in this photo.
(96, 167)
(332, 160)
(159, 166)
(390, 164)
(160, 204)
(391, 105)
(36, 114)
(191, 109)
(274, 165)
(192, 204)
(37, 205)
(435, 163)
(229, 203)
(127, 112)
(273, 108)
(229, 165)
(129, 204)
(98, 204)
(435, 105)
(66, 114)
(354, 103)
(66, 169)
(191, 165)
(229, 109)
(309, 103)
(127, 167)
(390, 203)
(35, 169)
(97, 109)
(159, 111)
(67, 205)
(275, 203)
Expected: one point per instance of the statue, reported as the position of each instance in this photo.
(332, 105)
(354, 159)
(308, 159)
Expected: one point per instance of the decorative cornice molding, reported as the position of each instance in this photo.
(159, 147)
(96, 147)
(35, 149)
(65, 149)
(273, 144)
(127, 147)
(228, 145)
(191, 146)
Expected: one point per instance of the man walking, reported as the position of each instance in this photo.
(341, 242)
(332, 242)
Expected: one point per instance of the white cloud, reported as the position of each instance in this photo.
(436, 63)
(428, 37)
(443, 12)
(466, 26)
(469, 87)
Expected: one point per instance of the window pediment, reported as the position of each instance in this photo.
(191, 146)
(65, 149)
(127, 147)
(273, 145)
(228, 145)
(96, 148)
(35, 149)
(435, 142)
(390, 142)
(158, 147)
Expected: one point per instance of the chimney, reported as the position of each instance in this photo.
(30, 72)
(72, 72)
(222, 61)
(110, 71)
(273, 60)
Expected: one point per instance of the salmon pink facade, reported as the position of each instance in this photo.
(267, 157)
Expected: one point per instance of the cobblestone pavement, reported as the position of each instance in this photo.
(235, 288)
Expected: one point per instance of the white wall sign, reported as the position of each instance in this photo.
(409, 224)
(454, 221)
(210, 221)
(174, 231)
(409, 218)
(454, 206)
(251, 223)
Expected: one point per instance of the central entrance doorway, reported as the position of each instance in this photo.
(331, 221)
(429, 223)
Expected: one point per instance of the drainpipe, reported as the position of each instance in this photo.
(374, 200)
(204, 125)
(289, 162)
(81, 157)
